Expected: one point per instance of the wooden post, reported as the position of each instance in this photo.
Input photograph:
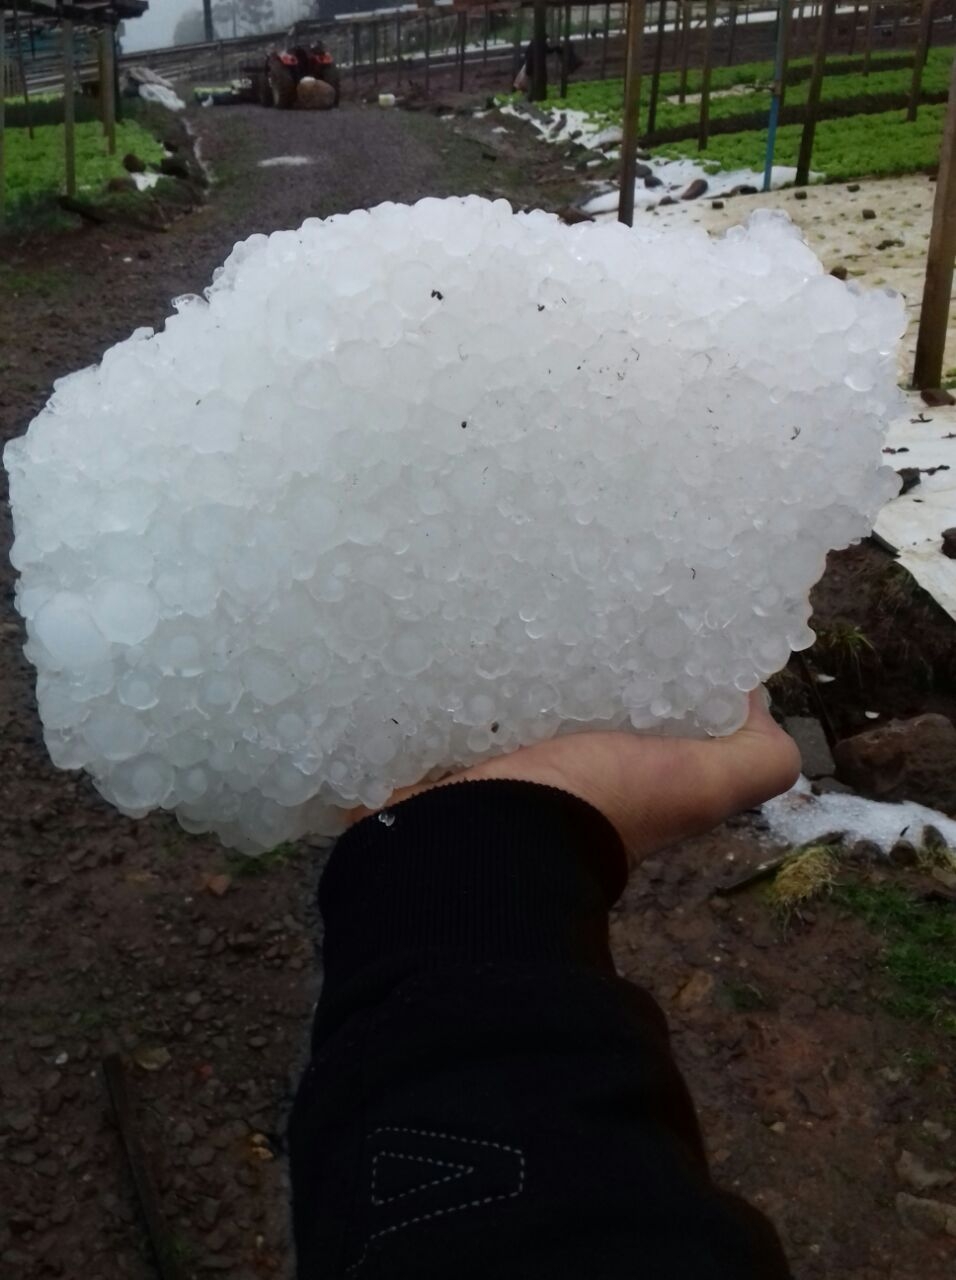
(788, 38)
(919, 58)
(539, 53)
(854, 20)
(656, 74)
(813, 94)
(69, 109)
(566, 51)
(632, 108)
(484, 53)
(732, 37)
(356, 54)
(587, 29)
(606, 37)
(938, 287)
(107, 87)
(684, 50)
(375, 54)
(3, 113)
(398, 41)
(209, 33)
(868, 47)
(517, 40)
(703, 132)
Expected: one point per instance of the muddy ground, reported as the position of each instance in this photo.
(811, 1072)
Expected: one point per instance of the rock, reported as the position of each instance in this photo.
(815, 753)
(800, 195)
(853, 186)
(152, 1058)
(120, 184)
(572, 216)
(716, 204)
(695, 190)
(937, 1130)
(695, 990)
(910, 477)
(929, 1216)
(890, 244)
(205, 937)
(183, 1133)
(42, 1042)
(903, 760)
(643, 171)
(652, 181)
(839, 272)
(831, 786)
(218, 885)
(936, 397)
(133, 164)
(868, 214)
(200, 1156)
(904, 854)
(865, 853)
(911, 1170)
(667, 200)
(949, 543)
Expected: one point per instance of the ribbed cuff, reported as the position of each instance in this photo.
(472, 872)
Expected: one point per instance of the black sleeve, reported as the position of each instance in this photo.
(486, 1099)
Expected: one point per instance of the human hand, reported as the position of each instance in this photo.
(654, 791)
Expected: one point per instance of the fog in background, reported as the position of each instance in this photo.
(155, 28)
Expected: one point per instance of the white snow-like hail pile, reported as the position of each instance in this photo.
(413, 486)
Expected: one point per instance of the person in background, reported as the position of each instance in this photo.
(485, 1098)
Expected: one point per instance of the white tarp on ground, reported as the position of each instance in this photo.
(913, 523)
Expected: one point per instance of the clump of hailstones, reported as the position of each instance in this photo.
(413, 486)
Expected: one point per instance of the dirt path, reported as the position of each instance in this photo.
(132, 936)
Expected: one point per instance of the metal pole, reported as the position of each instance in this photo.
(938, 287)
(484, 52)
(813, 94)
(355, 56)
(684, 50)
(23, 70)
(565, 51)
(606, 35)
(703, 132)
(632, 109)
(783, 13)
(108, 90)
(539, 53)
(69, 109)
(732, 36)
(868, 50)
(656, 74)
(208, 30)
(428, 51)
(375, 54)
(462, 39)
(398, 42)
(919, 58)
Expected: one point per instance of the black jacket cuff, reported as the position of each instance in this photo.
(472, 872)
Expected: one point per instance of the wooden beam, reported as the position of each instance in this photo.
(938, 286)
(632, 109)
(919, 58)
(69, 110)
(813, 94)
(703, 132)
